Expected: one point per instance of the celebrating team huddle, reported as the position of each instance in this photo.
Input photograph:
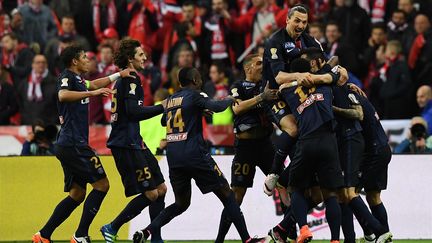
(330, 131)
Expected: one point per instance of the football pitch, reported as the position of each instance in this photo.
(228, 241)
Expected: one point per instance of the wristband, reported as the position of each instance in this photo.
(335, 77)
(113, 77)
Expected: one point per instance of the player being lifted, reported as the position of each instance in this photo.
(189, 158)
(136, 164)
(280, 49)
(253, 146)
(80, 163)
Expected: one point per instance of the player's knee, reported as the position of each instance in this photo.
(78, 195)
(101, 185)
(162, 189)
(239, 193)
(152, 195)
(183, 205)
(373, 198)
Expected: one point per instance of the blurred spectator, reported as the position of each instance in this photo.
(104, 14)
(217, 88)
(336, 46)
(8, 100)
(408, 7)
(151, 73)
(420, 56)
(96, 105)
(316, 30)
(417, 141)
(68, 30)
(4, 23)
(16, 57)
(39, 24)
(110, 37)
(7, 6)
(37, 94)
(106, 67)
(424, 101)
(143, 22)
(378, 39)
(215, 44)
(393, 85)
(17, 24)
(151, 130)
(40, 139)
(354, 23)
(65, 7)
(258, 23)
(398, 29)
(184, 58)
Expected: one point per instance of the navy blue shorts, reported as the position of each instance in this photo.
(139, 170)
(207, 175)
(80, 165)
(374, 169)
(250, 153)
(350, 155)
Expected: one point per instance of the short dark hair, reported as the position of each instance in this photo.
(379, 25)
(333, 23)
(317, 25)
(219, 66)
(188, 3)
(12, 35)
(248, 59)
(70, 53)
(187, 75)
(106, 46)
(298, 8)
(313, 53)
(399, 11)
(300, 65)
(125, 52)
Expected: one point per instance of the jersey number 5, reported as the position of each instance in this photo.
(176, 121)
(114, 101)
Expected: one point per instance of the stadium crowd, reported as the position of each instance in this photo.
(386, 45)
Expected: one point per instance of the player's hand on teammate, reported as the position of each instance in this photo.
(356, 89)
(269, 94)
(127, 73)
(343, 76)
(208, 113)
(234, 100)
(305, 80)
(102, 91)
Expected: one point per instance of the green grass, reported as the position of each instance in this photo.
(228, 241)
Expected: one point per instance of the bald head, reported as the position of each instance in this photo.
(421, 23)
(418, 120)
(424, 94)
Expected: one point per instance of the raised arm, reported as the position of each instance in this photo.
(105, 81)
(242, 106)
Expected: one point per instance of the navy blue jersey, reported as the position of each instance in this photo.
(312, 107)
(126, 112)
(73, 115)
(183, 117)
(256, 117)
(279, 50)
(373, 133)
(344, 99)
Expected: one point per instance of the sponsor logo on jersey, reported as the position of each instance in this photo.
(176, 137)
(309, 101)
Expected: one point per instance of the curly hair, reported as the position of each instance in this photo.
(125, 52)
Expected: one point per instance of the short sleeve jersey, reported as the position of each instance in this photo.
(279, 50)
(73, 115)
(344, 99)
(183, 116)
(256, 117)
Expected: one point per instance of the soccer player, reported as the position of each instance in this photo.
(253, 146)
(316, 149)
(80, 163)
(374, 167)
(188, 157)
(136, 164)
(280, 49)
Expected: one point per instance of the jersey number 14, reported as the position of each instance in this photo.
(175, 122)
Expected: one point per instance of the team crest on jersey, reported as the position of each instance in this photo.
(289, 45)
(79, 78)
(64, 82)
(203, 94)
(234, 92)
(132, 88)
(273, 53)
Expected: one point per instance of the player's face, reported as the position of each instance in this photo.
(82, 63)
(296, 24)
(256, 67)
(139, 59)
